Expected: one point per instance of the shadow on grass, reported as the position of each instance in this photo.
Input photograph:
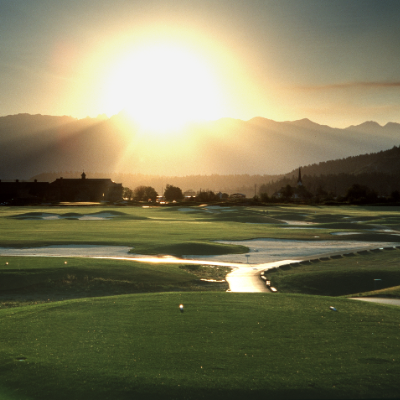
(327, 282)
(196, 248)
(40, 280)
(44, 384)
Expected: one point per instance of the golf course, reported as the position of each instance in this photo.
(90, 296)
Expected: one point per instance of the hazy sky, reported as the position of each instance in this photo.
(335, 62)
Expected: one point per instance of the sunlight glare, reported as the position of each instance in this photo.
(163, 87)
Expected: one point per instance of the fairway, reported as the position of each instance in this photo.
(222, 346)
(86, 328)
(353, 274)
(171, 231)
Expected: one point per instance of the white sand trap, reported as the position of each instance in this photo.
(208, 209)
(96, 217)
(345, 233)
(299, 227)
(297, 222)
(264, 254)
(34, 218)
(261, 250)
(392, 302)
(37, 216)
(73, 250)
(270, 250)
(86, 217)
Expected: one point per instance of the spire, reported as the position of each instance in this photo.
(299, 181)
(83, 175)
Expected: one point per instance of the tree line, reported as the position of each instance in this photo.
(170, 194)
(149, 194)
(338, 185)
(235, 183)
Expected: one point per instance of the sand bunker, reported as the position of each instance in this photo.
(72, 250)
(392, 302)
(261, 250)
(270, 250)
(74, 216)
(345, 233)
(299, 227)
(297, 222)
(207, 209)
(264, 254)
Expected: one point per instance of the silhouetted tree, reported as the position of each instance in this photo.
(150, 193)
(395, 196)
(361, 194)
(144, 193)
(264, 197)
(321, 192)
(127, 193)
(172, 193)
(206, 196)
(287, 192)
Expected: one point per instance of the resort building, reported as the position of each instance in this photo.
(68, 190)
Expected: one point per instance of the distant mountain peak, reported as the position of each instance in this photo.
(31, 144)
(260, 119)
(366, 125)
(304, 123)
(392, 124)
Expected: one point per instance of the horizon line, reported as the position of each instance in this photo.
(104, 116)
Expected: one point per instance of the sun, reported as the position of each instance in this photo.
(163, 87)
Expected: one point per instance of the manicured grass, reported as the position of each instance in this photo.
(390, 292)
(222, 346)
(168, 230)
(191, 248)
(340, 276)
(38, 279)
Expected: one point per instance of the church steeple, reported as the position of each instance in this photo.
(83, 175)
(299, 181)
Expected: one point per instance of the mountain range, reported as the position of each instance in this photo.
(33, 144)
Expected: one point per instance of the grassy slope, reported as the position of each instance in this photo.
(167, 230)
(344, 276)
(223, 346)
(37, 279)
(391, 292)
(149, 231)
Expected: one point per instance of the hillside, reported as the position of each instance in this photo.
(33, 144)
(387, 162)
(378, 171)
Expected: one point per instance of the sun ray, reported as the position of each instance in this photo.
(163, 87)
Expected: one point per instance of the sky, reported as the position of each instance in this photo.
(332, 61)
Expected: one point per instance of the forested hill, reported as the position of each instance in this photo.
(387, 161)
(379, 172)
